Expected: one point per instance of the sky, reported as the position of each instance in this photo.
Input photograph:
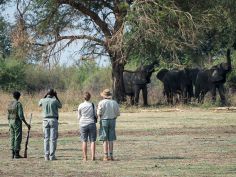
(69, 54)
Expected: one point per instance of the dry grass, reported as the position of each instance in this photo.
(163, 142)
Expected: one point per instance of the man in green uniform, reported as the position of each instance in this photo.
(15, 118)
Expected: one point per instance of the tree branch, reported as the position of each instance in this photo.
(72, 38)
(83, 9)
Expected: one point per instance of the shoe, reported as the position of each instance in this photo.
(17, 155)
(111, 158)
(53, 158)
(46, 158)
(93, 159)
(13, 154)
(84, 159)
(105, 159)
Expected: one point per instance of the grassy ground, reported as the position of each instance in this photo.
(178, 142)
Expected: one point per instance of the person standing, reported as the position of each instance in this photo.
(87, 122)
(108, 111)
(15, 119)
(50, 104)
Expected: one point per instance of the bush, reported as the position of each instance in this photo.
(12, 74)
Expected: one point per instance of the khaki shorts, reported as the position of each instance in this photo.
(107, 130)
(88, 131)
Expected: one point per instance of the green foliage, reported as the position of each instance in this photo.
(12, 74)
(38, 78)
(180, 30)
(5, 43)
(98, 80)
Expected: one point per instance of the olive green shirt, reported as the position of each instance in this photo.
(50, 107)
(20, 111)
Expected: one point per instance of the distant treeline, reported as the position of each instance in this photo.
(17, 75)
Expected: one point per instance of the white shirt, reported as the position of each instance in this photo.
(108, 109)
(86, 113)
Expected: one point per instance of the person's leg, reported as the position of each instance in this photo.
(18, 137)
(84, 139)
(84, 148)
(53, 138)
(105, 150)
(92, 137)
(46, 134)
(93, 146)
(111, 150)
(111, 137)
(12, 138)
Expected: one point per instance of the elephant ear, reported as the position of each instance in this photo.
(140, 78)
(216, 76)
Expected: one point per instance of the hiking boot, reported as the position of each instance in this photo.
(52, 158)
(13, 154)
(17, 155)
(111, 158)
(46, 157)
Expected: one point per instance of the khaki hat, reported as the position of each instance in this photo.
(106, 93)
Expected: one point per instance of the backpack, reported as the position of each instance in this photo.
(12, 110)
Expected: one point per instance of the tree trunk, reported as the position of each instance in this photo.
(117, 80)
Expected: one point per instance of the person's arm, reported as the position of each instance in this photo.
(117, 110)
(99, 111)
(21, 114)
(59, 102)
(40, 102)
(79, 113)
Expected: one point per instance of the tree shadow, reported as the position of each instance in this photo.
(168, 158)
(4, 125)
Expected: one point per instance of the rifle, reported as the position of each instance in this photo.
(27, 138)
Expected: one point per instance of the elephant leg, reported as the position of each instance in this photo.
(213, 93)
(221, 90)
(136, 94)
(201, 97)
(185, 97)
(132, 100)
(170, 98)
(144, 92)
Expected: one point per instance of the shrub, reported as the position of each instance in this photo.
(12, 74)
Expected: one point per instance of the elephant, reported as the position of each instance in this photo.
(135, 81)
(179, 82)
(213, 79)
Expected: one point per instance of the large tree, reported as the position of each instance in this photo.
(55, 24)
(176, 28)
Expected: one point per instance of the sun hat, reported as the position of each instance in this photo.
(106, 93)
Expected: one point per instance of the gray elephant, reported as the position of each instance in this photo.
(135, 81)
(178, 82)
(213, 79)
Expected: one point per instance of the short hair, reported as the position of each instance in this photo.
(16, 95)
(87, 96)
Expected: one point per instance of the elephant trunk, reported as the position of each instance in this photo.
(229, 60)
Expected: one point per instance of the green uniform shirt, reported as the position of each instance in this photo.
(50, 107)
(20, 111)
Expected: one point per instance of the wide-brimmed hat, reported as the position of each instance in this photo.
(106, 93)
